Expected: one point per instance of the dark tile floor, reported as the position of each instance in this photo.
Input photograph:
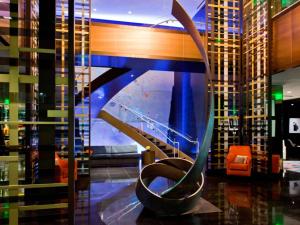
(110, 199)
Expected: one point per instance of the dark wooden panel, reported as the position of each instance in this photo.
(286, 40)
(296, 36)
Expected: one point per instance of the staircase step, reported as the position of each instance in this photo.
(167, 151)
(172, 155)
(130, 130)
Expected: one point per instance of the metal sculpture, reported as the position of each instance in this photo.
(185, 193)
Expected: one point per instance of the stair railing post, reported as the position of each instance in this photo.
(174, 151)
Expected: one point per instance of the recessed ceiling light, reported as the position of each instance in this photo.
(129, 12)
(94, 10)
(288, 92)
(292, 104)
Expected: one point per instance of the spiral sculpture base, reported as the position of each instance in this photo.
(185, 193)
(179, 202)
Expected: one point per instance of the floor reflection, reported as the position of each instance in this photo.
(229, 201)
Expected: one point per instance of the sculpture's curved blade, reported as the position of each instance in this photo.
(184, 194)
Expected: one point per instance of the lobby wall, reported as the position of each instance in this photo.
(291, 110)
(286, 39)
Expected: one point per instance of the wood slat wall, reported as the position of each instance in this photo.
(224, 52)
(255, 75)
(286, 40)
(142, 42)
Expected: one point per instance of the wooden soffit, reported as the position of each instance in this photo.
(142, 42)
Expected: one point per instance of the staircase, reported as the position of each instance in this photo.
(162, 149)
(168, 149)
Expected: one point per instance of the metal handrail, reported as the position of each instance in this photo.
(166, 136)
(172, 20)
(140, 116)
(152, 122)
(156, 122)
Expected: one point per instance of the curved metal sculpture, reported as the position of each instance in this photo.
(185, 193)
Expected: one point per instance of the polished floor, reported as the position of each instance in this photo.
(110, 200)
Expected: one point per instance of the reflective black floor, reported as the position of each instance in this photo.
(111, 200)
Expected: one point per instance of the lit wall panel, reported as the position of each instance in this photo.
(223, 34)
(256, 80)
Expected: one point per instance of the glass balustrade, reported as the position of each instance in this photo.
(147, 124)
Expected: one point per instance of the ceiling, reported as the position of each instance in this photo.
(153, 12)
(290, 79)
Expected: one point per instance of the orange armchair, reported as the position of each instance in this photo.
(61, 169)
(239, 161)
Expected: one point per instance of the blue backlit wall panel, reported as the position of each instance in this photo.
(187, 114)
